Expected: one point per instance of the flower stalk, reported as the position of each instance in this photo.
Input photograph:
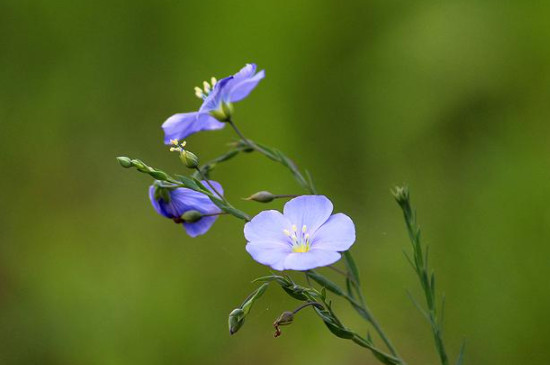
(419, 263)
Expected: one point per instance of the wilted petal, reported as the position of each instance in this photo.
(309, 210)
(272, 254)
(337, 234)
(309, 260)
(268, 226)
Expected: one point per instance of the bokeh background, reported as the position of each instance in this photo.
(450, 97)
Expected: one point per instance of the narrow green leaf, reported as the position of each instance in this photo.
(352, 267)
(324, 282)
(460, 358)
(419, 307)
(187, 181)
(349, 288)
(267, 278)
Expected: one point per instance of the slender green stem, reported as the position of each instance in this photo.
(420, 266)
(279, 196)
(210, 185)
(314, 304)
(277, 156)
(214, 214)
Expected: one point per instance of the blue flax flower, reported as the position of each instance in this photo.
(174, 202)
(217, 99)
(307, 235)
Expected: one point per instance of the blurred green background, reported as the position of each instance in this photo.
(450, 97)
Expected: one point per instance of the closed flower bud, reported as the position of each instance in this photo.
(138, 164)
(262, 197)
(159, 175)
(189, 159)
(401, 194)
(191, 216)
(125, 162)
(236, 320)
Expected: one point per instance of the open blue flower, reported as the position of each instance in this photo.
(174, 202)
(224, 92)
(307, 235)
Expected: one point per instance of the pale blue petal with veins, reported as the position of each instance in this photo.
(305, 236)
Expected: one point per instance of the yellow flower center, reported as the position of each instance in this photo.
(300, 241)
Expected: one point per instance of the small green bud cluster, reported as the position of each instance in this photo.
(127, 162)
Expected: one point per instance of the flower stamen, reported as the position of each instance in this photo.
(177, 146)
(300, 242)
(206, 88)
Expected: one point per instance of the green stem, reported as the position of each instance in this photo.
(420, 266)
(211, 186)
(277, 156)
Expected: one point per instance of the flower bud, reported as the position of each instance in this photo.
(237, 316)
(138, 164)
(125, 162)
(223, 113)
(191, 216)
(262, 197)
(189, 159)
(401, 194)
(236, 320)
(159, 175)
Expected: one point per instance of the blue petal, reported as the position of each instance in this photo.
(216, 186)
(308, 210)
(216, 96)
(180, 126)
(245, 73)
(267, 226)
(156, 204)
(209, 123)
(337, 234)
(272, 254)
(199, 227)
(240, 90)
(184, 199)
(310, 260)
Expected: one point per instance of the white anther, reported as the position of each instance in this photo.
(198, 92)
(213, 81)
(286, 232)
(294, 228)
(206, 86)
(304, 228)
